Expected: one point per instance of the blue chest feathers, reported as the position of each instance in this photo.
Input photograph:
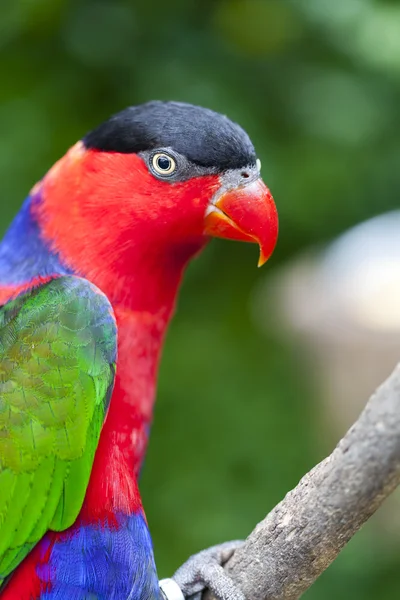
(97, 563)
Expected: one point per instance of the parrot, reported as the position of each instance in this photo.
(90, 270)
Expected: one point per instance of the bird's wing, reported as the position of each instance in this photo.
(57, 365)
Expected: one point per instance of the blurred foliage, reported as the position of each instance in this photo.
(317, 85)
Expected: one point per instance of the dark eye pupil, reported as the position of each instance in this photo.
(163, 163)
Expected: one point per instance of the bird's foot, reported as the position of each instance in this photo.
(201, 571)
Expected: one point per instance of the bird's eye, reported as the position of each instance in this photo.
(163, 164)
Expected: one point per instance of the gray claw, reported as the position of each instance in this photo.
(205, 570)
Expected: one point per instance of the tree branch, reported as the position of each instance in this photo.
(305, 532)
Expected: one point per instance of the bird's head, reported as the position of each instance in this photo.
(149, 186)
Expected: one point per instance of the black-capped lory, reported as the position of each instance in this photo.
(89, 274)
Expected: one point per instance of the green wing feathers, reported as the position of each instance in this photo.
(57, 364)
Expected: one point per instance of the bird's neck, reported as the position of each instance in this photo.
(142, 324)
(123, 441)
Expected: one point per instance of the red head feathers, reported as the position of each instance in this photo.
(142, 193)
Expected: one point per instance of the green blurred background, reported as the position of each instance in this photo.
(316, 83)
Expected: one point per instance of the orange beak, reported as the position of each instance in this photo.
(245, 213)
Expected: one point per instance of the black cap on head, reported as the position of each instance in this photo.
(205, 137)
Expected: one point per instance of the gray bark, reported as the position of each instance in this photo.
(304, 533)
